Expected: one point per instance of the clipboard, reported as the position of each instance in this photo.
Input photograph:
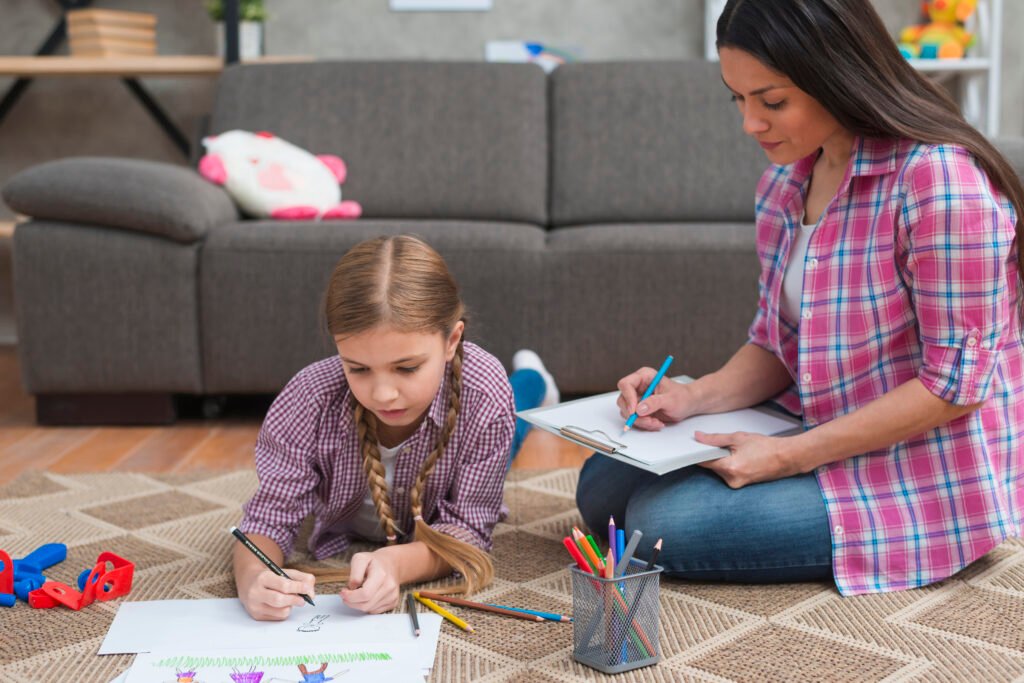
(594, 422)
(591, 438)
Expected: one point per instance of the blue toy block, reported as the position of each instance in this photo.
(28, 571)
(6, 600)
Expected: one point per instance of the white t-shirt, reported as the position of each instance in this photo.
(365, 522)
(793, 278)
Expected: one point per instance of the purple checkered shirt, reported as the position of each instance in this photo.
(309, 461)
(912, 272)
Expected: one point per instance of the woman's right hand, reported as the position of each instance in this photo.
(671, 401)
(269, 597)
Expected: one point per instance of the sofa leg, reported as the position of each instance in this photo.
(105, 409)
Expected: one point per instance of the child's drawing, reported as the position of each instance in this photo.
(186, 677)
(250, 676)
(318, 676)
(313, 624)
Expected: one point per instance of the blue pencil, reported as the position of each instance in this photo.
(620, 545)
(648, 392)
(547, 615)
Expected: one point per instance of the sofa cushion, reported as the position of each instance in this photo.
(625, 296)
(133, 194)
(649, 142)
(421, 139)
(262, 286)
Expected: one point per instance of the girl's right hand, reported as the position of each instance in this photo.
(671, 401)
(269, 597)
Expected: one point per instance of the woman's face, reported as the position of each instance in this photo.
(788, 123)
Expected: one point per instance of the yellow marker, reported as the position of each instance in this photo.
(430, 604)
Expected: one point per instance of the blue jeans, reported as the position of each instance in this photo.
(775, 531)
(528, 389)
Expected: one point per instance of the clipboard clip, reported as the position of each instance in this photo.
(586, 437)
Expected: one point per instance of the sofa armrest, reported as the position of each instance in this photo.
(147, 196)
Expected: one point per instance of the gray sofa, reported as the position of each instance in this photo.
(601, 215)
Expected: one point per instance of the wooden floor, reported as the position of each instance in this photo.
(190, 444)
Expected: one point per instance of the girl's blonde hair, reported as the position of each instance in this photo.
(403, 283)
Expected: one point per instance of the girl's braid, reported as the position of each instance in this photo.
(366, 426)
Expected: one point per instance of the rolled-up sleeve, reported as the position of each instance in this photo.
(471, 509)
(757, 334)
(284, 465)
(959, 240)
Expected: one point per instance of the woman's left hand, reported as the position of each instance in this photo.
(752, 458)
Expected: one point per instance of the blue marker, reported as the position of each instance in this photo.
(650, 390)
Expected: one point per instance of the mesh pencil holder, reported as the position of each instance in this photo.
(615, 621)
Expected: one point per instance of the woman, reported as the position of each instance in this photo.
(889, 316)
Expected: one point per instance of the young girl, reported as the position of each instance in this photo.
(403, 438)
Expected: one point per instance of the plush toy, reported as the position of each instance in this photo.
(944, 36)
(269, 177)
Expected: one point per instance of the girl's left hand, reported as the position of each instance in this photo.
(752, 458)
(372, 585)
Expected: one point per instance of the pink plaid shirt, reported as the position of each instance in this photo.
(912, 272)
(309, 461)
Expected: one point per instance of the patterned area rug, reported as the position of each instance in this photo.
(172, 527)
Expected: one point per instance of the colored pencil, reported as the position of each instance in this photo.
(597, 552)
(648, 392)
(549, 616)
(611, 539)
(574, 551)
(430, 604)
(654, 555)
(636, 599)
(620, 547)
(627, 555)
(588, 552)
(484, 607)
(410, 606)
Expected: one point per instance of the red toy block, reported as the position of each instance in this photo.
(101, 584)
(7, 574)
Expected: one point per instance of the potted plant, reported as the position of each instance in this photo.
(251, 15)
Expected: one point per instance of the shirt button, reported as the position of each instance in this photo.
(838, 530)
(807, 377)
(972, 341)
(985, 344)
(807, 315)
(822, 470)
(812, 262)
(399, 490)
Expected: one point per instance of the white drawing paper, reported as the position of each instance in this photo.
(179, 625)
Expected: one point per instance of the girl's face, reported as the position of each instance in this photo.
(788, 123)
(396, 375)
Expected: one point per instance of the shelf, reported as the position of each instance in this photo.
(158, 65)
(966, 64)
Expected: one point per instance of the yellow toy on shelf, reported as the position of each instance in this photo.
(944, 37)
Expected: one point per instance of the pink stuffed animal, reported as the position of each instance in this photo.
(270, 177)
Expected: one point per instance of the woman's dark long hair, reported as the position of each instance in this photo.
(840, 53)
